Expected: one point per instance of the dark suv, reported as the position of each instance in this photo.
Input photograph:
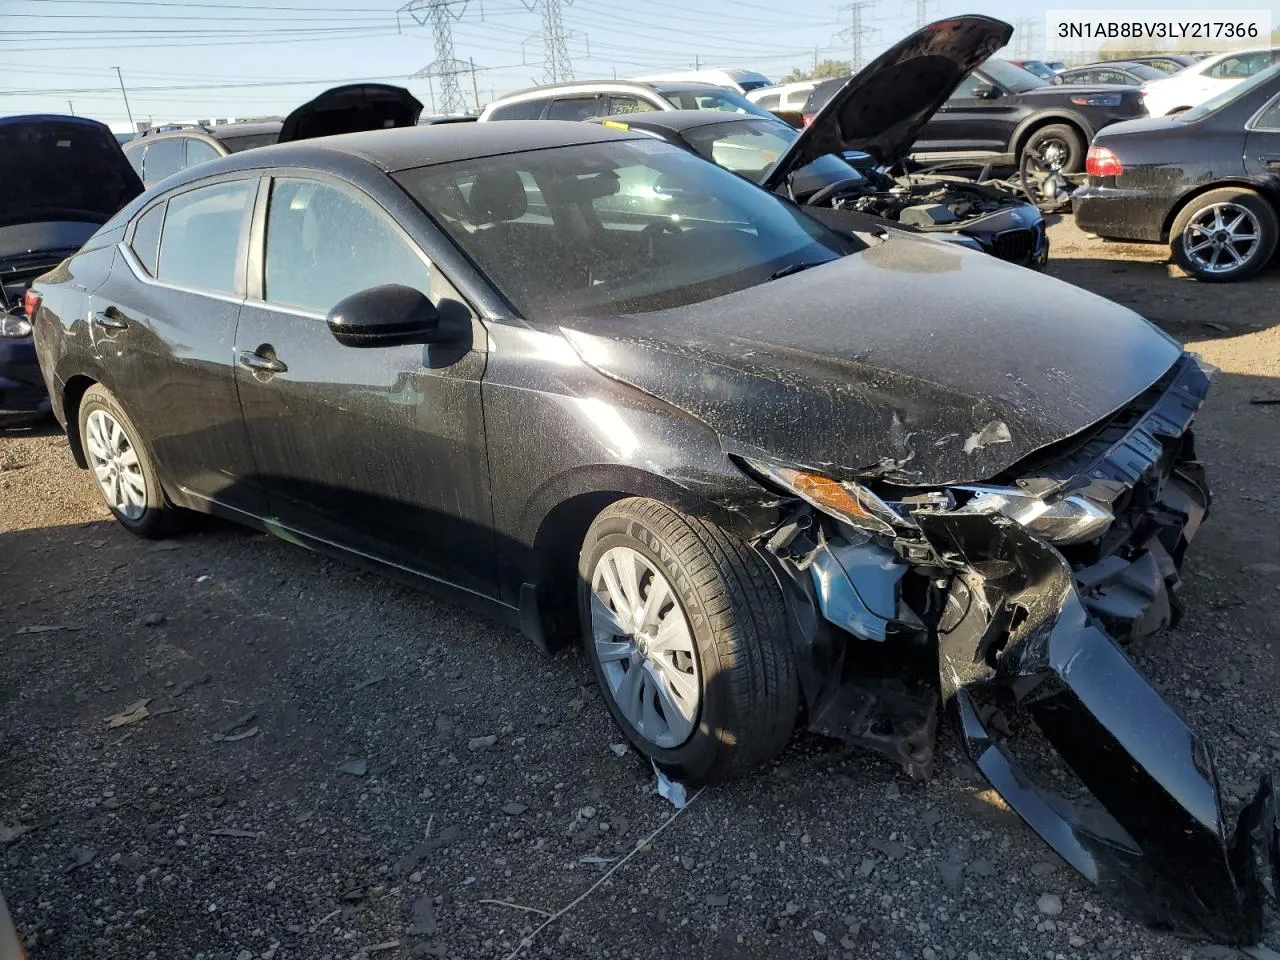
(1000, 111)
(164, 151)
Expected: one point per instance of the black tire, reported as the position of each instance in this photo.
(159, 519)
(749, 692)
(1057, 133)
(1257, 258)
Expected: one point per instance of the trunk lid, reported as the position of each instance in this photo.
(352, 109)
(58, 170)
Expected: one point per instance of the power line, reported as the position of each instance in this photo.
(441, 14)
(554, 39)
(857, 31)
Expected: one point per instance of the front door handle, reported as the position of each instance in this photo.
(260, 364)
(110, 319)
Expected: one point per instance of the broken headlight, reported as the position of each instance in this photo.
(1072, 519)
(847, 501)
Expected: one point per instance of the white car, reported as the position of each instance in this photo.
(1195, 84)
(783, 96)
(734, 78)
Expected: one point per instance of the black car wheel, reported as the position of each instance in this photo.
(1059, 147)
(122, 467)
(686, 632)
(1224, 235)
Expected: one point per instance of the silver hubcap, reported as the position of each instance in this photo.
(1221, 237)
(1054, 153)
(115, 463)
(645, 647)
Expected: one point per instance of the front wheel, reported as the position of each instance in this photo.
(686, 632)
(122, 467)
(1224, 235)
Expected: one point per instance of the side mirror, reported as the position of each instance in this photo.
(986, 91)
(385, 316)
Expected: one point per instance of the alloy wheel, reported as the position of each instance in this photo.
(645, 647)
(1221, 237)
(115, 465)
(1054, 153)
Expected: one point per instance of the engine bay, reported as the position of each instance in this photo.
(928, 202)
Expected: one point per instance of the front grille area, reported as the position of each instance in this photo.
(1014, 245)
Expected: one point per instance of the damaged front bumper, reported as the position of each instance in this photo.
(1014, 623)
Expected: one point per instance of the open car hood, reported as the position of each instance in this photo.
(912, 362)
(61, 169)
(880, 109)
(352, 109)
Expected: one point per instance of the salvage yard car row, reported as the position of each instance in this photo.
(773, 458)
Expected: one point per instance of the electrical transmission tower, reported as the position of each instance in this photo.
(440, 14)
(554, 40)
(922, 12)
(857, 31)
(1025, 38)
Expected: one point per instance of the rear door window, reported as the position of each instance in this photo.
(164, 158)
(577, 108)
(146, 238)
(200, 242)
(521, 110)
(199, 152)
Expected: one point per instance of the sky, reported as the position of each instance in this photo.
(184, 60)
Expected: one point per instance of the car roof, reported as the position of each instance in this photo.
(650, 86)
(1117, 64)
(217, 131)
(679, 120)
(405, 148)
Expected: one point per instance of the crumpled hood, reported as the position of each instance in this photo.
(881, 109)
(912, 361)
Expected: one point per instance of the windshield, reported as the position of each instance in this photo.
(751, 148)
(1010, 77)
(1230, 95)
(713, 98)
(616, 227)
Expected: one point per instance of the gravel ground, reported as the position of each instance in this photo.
(335, 766)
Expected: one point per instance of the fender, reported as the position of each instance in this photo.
(1267, 185)
(1047, 116)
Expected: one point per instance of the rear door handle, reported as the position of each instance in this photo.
(1273, 163)
(260, 364)
(110, 318)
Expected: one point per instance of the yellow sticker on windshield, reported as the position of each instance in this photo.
(615, 124)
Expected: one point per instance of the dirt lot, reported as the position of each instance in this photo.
(317, 779)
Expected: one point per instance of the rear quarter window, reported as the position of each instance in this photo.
(520, 110)
(146, 238)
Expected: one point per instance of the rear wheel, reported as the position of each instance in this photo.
(1059, 147)
(122, 467)
(686, 633)
(1224, 235)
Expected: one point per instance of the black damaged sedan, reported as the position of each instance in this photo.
(763, 471)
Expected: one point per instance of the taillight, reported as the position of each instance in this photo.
(1102, 162)
(30, 303)
(808, 118)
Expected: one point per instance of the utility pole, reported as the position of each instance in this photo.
(557, 65)
(922, 12)
(71, 107)
(857, 31)
(440, 14)
(127, 111)
(475, 87)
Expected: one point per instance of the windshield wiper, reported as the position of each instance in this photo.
(796, 268)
